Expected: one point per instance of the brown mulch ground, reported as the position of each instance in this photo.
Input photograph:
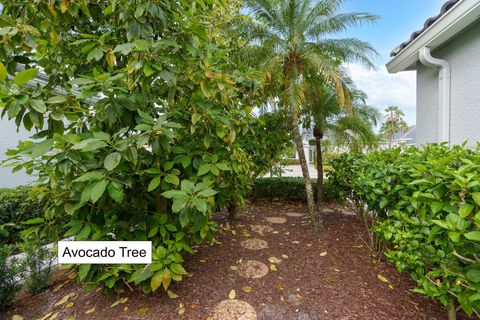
(308, 284)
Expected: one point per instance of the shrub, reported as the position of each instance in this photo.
(36, 267)
(427, 205)
(17, 205)
(8, 276)
(288, 188)
(138, 138)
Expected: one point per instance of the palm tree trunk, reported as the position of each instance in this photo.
(318, 134)
(318, 146)
(297, 138)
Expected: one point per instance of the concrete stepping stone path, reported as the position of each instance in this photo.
(262, 229)
(295, 214)
(233, 310)
(254, 244)
(278, 220)
(252, 269)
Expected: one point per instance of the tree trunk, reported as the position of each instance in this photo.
(234, 210)
(312, 210)
(318, 146)
(161, 201)
(452, 313)
(317, 132)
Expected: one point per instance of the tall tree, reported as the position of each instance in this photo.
(294, 37)
(393, 124)
(346, 121)
(137, 122)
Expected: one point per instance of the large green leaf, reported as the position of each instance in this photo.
(24, 76)
(112, 161)
(98, 190)
(3, 72)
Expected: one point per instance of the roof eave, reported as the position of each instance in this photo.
(462, 15)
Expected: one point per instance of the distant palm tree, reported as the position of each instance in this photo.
(293, 41)
(393, 124)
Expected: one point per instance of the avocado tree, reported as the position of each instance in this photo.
(135, 122)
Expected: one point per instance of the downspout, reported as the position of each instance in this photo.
(443, 91)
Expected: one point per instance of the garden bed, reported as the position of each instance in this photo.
(308, 276)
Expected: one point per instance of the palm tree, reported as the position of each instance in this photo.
(348, 125)
(394, 123)
(294, 42)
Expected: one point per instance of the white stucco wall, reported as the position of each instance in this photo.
(9, 138)
(463, 54)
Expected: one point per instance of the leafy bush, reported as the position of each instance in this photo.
(427, 205)
(16, 207)
(36, 267)
(138, 124)
(8, 275)
(288, 188)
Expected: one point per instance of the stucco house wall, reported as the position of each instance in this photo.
(9, 138)
(463, 54)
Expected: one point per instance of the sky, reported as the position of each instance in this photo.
(398, 19)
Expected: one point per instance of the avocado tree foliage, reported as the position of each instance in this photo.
(136, 124)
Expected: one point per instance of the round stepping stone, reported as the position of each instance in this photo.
(276, 219)
(252, 269)
(254, 244)
(295, 214)
(262, 229)
(233, 310)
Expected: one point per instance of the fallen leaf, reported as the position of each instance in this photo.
(53, 316)
(202, 260)
(337, 270)
(279, 286)
(274, 260)
(390, 286)
(172, 295)
(143, 311)
(125, 309)
(232, 294)
(323, 254)
(181, 309)
(46, 316)
(60, 286)
(17, 317)
(92, 310)
(247, 289)
(295, 242)
(382, 278)
(309, 244)
(360, 246)
(273, 267)
(64, 299)
(70, 304)
(284, 256)
(119, 301)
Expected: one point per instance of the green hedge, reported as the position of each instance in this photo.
(288, 188)
(17, 205)
(427, 205)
